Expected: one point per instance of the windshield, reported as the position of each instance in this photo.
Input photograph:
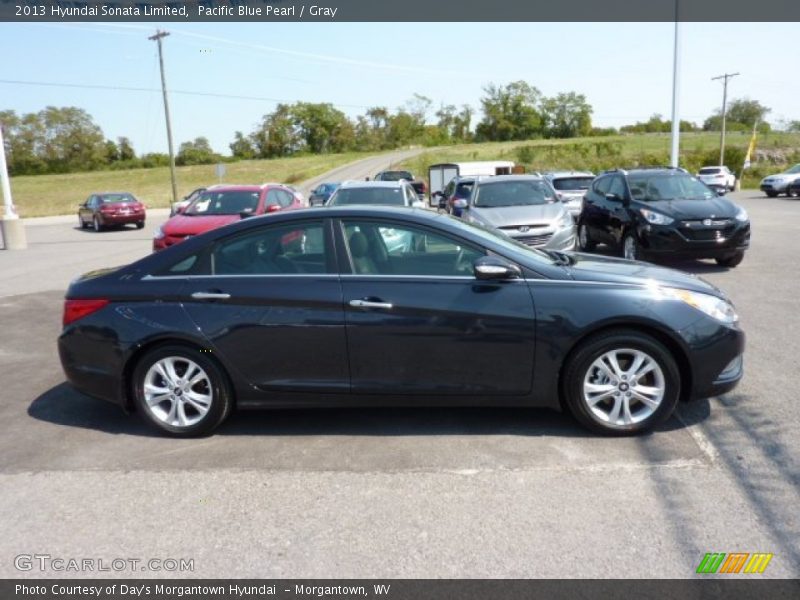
(513, 193)
(794, 169)
(396, 176)
(387, 196)
(572, 183)
(464, 190)
(224, 203)
(110, 198)
(663, 186)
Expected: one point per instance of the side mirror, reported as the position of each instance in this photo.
(180, 209)
(460, 203)
(271, 208)
(618, 198)
(418, 204)
(495, 268)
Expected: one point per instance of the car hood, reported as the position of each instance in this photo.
(592, 267)
(718, 207)
(787, 176)
(183, 225)
(509, 216)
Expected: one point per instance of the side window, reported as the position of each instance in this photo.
(274, 250)
(411, 195)
(285, 198)
(381, 248)
(272, 198)
(601, 185)
(617, 186)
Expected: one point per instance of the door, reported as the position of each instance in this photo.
(617, 211)
(86, 211)
(271, 304)
(594, 213)
(418, 322)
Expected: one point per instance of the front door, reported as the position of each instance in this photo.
(418, 322)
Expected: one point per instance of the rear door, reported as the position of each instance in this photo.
(616, 210)
(594, 213)
(272, 306)
(419, 323)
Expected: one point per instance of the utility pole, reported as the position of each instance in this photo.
(676, 120)
(725, 78)
(157, 38)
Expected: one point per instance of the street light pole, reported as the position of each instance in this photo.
(11, 226)
(157, 38)
(676, 120)
(8, 203)
(725, 77)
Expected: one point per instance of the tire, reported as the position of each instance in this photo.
(140, 225)
(82, 222)
(96, 224)
(202, 406)
(631, 249)
(790, 193)
(731, 261)
(771, 194)
(583, 380)
(585, 242)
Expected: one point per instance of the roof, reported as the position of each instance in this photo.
(372, 184)
(558, 174)
(501, 178)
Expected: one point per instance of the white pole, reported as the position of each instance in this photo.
(10, 213)
(676, 120)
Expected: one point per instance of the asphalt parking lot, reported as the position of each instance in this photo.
(400, 493)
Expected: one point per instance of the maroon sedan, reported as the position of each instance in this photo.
(110, 209)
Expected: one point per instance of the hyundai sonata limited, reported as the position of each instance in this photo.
(463, 315)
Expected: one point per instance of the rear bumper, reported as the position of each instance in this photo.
(122, 219)
(90, 367)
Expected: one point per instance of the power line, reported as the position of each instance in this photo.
(90, 86)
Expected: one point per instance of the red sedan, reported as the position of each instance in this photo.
(110, 209)
(221, 205)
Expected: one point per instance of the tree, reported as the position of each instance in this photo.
(242, 147)
(321, 127)
(793, 126)
(112, 151)
(71, 141)
(510, 113)
(125, 149)
(197, 152)
(276, 136)
(567, 115)
(742, 113)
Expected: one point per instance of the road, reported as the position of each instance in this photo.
(401, 493)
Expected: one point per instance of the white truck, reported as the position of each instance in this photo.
(441, 174)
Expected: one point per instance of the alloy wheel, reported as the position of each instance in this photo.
(177, 391)
(623, 387)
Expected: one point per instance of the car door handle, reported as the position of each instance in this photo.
(369, 304)
(210, 296)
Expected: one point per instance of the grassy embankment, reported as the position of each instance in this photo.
(60, 194)
(599, 153)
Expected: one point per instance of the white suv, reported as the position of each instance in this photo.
(718, 177)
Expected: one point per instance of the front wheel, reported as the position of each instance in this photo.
(621, 383)
(731, 261)
(771, 194)
(585, 242)
(140, 225)
(181, 391)
(631, 248)
(791, 193)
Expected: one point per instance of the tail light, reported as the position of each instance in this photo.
(77, 309)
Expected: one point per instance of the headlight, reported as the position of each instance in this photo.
(714, 307)
(655, 218)
(159, 234)
(565, 221)
(741, 214)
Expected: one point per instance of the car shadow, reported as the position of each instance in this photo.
(63, 405)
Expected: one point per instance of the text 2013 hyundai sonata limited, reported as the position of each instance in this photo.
(246, 316)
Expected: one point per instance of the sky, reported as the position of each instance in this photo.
(624, 69)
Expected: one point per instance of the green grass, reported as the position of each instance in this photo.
(43, 195)
(599, 153)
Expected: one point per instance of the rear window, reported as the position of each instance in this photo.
(572, 183)
(708, 171)
(387, 196)
(110, 198)
(224, 203)
(396, 176)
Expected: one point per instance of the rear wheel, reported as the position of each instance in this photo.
(731, 261)
(621, 383)
(791, 192)
(585, 241)
(181, 391)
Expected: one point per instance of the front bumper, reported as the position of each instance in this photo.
(715, 356)
(697, 240)
(545, 237)
(775, 186)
